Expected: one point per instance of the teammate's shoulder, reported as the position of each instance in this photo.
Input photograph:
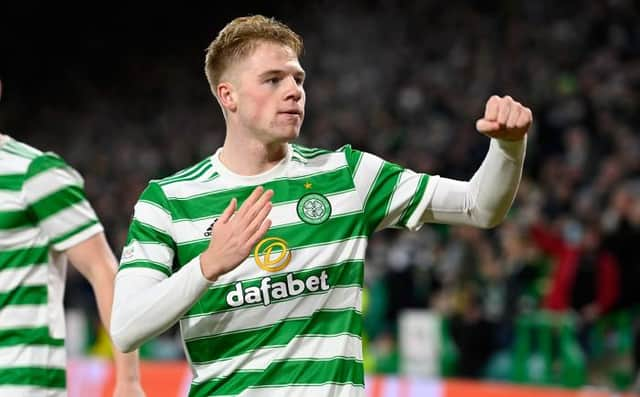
(46, 161)
(20, 149)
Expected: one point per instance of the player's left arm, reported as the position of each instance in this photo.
(485, 199)
(95, 261)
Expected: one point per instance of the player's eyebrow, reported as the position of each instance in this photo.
(278, 72)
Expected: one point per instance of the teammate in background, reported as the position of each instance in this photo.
(258, 250)
(45, 219)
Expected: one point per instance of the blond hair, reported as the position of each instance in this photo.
(240, 37)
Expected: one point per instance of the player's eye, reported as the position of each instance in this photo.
(273, 80)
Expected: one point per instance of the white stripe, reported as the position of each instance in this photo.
(301, 259)
(33, 356)
(18, 316)
(281, 215)
(78, 237)
(153, 215)
(51, 181)
(332, 390)
(31, 275)
(366, 173)
(137, 251)
(415, 221)
(11, 200)
(189, 189)
(262, 316)
(11, 164)
(30, 391)
(21, 238)
(405, 190)
(303, 347)
(68, 219)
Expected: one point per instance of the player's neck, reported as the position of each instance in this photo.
(251, 157)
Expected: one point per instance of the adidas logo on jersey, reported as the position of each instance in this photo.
(209, 231)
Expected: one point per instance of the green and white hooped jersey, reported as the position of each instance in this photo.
(287, 321)
(43, 211)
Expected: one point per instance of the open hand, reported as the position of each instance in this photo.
(234, 235)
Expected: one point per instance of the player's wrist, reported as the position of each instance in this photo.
(208, 268)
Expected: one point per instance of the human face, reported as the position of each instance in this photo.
(269, 93)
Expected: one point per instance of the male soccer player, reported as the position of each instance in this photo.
(258, 250)
(44, 219)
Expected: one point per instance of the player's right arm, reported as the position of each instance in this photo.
(148, 297)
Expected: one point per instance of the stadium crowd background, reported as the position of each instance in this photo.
(121, 95)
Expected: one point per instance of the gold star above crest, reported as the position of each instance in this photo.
(308, 185)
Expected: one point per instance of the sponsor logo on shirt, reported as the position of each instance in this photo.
(270, 291)
(272, 254)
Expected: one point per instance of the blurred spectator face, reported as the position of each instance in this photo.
(268, 93)
(622, 201)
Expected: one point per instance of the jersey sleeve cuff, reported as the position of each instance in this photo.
(415, 220)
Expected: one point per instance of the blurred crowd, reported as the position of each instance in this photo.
(407, 80)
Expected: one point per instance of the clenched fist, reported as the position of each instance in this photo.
(504, 118)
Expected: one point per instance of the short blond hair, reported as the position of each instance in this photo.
(239, 38)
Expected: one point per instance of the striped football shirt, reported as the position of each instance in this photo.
(288, 320)
(43, 211)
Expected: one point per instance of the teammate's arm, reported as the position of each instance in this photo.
(95, 261)
(55, 194)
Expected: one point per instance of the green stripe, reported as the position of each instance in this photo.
(297, 236)
(34, 376)
(28, 336)
(11, 182)
(285, 373)
(23, 257)
(147, 265)
(31, 295)
(14, 219)
(342, 274)
(415, 200)
(285, 191)
(72, 233)
(310, 153)
(57, 201)
(153, 194)
(353, 158)
(44, 163)
(212, 177)
(186, 174)
(380, 195)
(195, 176)
(322, 322)
(145, 233)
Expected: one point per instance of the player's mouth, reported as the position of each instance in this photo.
(292, 112)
